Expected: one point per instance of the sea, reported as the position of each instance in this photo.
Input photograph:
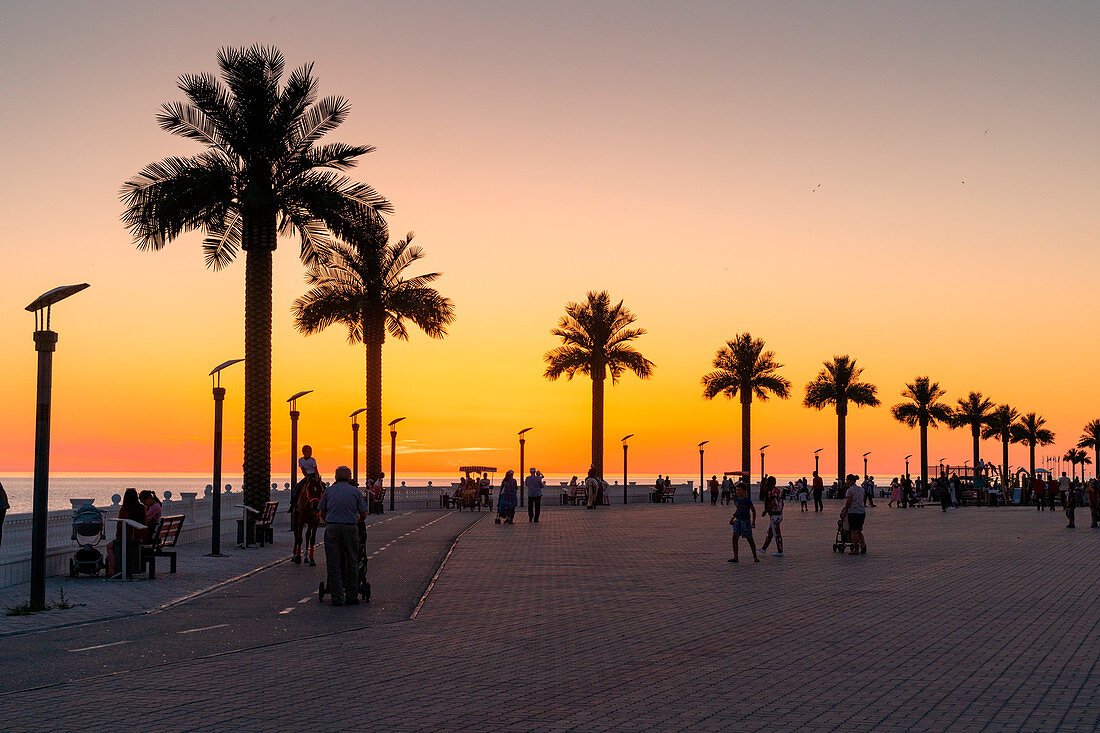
(100, 487)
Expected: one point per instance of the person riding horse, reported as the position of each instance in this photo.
(306, 517)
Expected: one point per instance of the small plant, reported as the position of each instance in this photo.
(25, 609)
(63, 601)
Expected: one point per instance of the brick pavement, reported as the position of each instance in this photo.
(631, 619)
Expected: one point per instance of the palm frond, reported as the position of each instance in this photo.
(221, 245)
(566, 360)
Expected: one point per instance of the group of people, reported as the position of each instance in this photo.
(508, 500)
(1047, 493)
(144, 508)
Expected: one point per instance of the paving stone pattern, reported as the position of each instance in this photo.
(631, 619)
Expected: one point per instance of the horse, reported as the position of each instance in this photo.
(306, 517)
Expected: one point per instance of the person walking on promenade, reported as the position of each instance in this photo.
(1093, 496)
(1064, 488)
(895, 493)
(1052, 492)
(803, 496)
(727, 490)
(906, 491)
(5, 506)
(944, 493)
(869, 491)
(534, 485)
(773, 507)
(856, 513)
(592, 487)
(952, 490)
(819, 488)
(508, 499)
(743, 521)
(712, 484)
(341, 508)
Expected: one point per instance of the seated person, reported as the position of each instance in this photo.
(153, 511)
(133, 509)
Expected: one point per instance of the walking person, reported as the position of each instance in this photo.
(534, 485)
(773, 507)
(1094, 503)
(819, 488)
(341, 508)
(727, 489)
(1052, 492)
(712, 484)
(508, 499)
(906, 491)
(856, 514)
(5, 506)
(743, 521)
(895, 493)
(803, 496)
(1071, 502)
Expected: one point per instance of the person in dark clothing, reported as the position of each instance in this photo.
(341, 508)
(819, 488)
(743, 521)
(534, 485)
(4, 507)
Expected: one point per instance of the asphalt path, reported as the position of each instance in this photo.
(270, 607)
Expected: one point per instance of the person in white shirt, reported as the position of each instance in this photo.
(856, 514)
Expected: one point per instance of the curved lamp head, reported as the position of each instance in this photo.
(818, 451)
(215, 373)
(521, 432)
(47, 299)
(293, 399)
(764, 446)
(703, 443)
(627, 436)
(361, 409)
(394, 422)
(867, 454)
(909, 456)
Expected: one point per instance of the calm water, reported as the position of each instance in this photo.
(100, 487)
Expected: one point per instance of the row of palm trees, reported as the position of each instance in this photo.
(596, 340)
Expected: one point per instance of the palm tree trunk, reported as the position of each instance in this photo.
(746, 440)
(373, 337)
(597, 424)
(1031, 464)
(924, 455)
(841, 441)
(1096, 462)
(258, 239)
(976, 432)
(1004, 458)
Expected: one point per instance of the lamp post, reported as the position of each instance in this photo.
(45, 341)
(907, 464)
(215, 488)
(522, 475)
(625, 473)
(293, 400)
(393, 457)
(355, 445)
(817, 461)
(865, 464)
(701, 470)
(762, 462)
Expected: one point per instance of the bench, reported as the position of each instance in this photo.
(574, 494)
(263, 526)
(663, 495)
(162, 545)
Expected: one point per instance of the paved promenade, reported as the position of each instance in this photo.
(631, 619)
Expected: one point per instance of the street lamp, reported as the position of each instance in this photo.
(865, 464)
(817, 459)
(762, 462)
(522, 475)
(45, 341)
(701, 470)
(625, 473)
(907, 464)
(215, 488)
(294, 435)
(393, 456)
(355, 445)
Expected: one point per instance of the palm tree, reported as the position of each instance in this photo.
(742, 367)
(973, 412)
(838, 384)
(261, 174)
(924, 410)
(1091, 439)
(363, 283)
(999, 425)
(596, 338)
(1029, 429)
(1074, 457)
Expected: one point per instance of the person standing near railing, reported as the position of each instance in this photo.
(5, 506)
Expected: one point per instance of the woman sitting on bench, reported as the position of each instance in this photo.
(131, 509)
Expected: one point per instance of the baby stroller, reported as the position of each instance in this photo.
(843, 537)
(87, 534)
(364, 586)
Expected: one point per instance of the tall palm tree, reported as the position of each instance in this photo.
(742, 368)
(261, 174)
(999, 425)
(923, 409)
(1091, 439)
(363, 283)
(1029, 429)
(596, 338)
(973, 412)
(838, 384)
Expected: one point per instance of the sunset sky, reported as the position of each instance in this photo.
(913, 184)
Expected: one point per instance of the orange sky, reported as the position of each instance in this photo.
(672, 155)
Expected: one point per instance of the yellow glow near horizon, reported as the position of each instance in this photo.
(913, 187)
